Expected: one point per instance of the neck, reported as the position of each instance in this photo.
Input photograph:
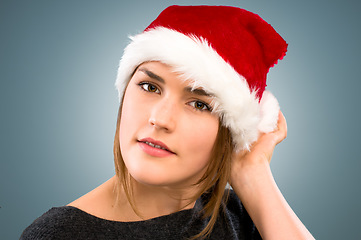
(152, 201)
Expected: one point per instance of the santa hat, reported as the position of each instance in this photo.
(225, 50)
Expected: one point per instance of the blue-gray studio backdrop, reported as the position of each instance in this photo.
(59, 105)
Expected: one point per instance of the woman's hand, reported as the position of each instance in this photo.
(261, 151)
(249, 164)
(252, 180)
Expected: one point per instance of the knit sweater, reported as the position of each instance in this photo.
(72, 223)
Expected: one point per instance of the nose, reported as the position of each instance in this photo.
(163, 115)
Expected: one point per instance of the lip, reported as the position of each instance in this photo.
(164, 151)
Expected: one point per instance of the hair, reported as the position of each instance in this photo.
(214, 180)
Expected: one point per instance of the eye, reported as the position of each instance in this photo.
(200, 106)
(148, 87)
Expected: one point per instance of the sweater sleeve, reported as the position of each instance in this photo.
(241, 222)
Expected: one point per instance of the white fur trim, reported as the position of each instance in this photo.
(269, 113)
(195, 60)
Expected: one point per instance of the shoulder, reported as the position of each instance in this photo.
(99, 202)
(83, 218)
(54, 224)
(69, 222)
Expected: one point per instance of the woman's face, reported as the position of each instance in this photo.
(167, 130)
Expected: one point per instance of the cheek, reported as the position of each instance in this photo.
(201, 137)
(131, 117)
(124, 120)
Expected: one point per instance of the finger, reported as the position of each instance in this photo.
(281, 131)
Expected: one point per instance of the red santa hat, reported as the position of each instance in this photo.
(227, 51)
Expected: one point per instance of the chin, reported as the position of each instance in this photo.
(150, 177)
(164, 179)
(154, 180)
(161, 172)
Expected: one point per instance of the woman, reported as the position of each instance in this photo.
(194, 115)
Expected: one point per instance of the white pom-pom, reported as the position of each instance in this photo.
(269, 113)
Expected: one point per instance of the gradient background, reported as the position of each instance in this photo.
(58, 62)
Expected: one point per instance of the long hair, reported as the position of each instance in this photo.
(215, 179)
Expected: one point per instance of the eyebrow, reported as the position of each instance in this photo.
(152, 75)
(197, 91)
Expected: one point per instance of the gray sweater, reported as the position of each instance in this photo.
(72, 223)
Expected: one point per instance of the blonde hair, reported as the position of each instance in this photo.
(214, 180)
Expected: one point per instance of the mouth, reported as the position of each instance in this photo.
(155, 144)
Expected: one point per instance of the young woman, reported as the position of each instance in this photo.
(194, 116)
